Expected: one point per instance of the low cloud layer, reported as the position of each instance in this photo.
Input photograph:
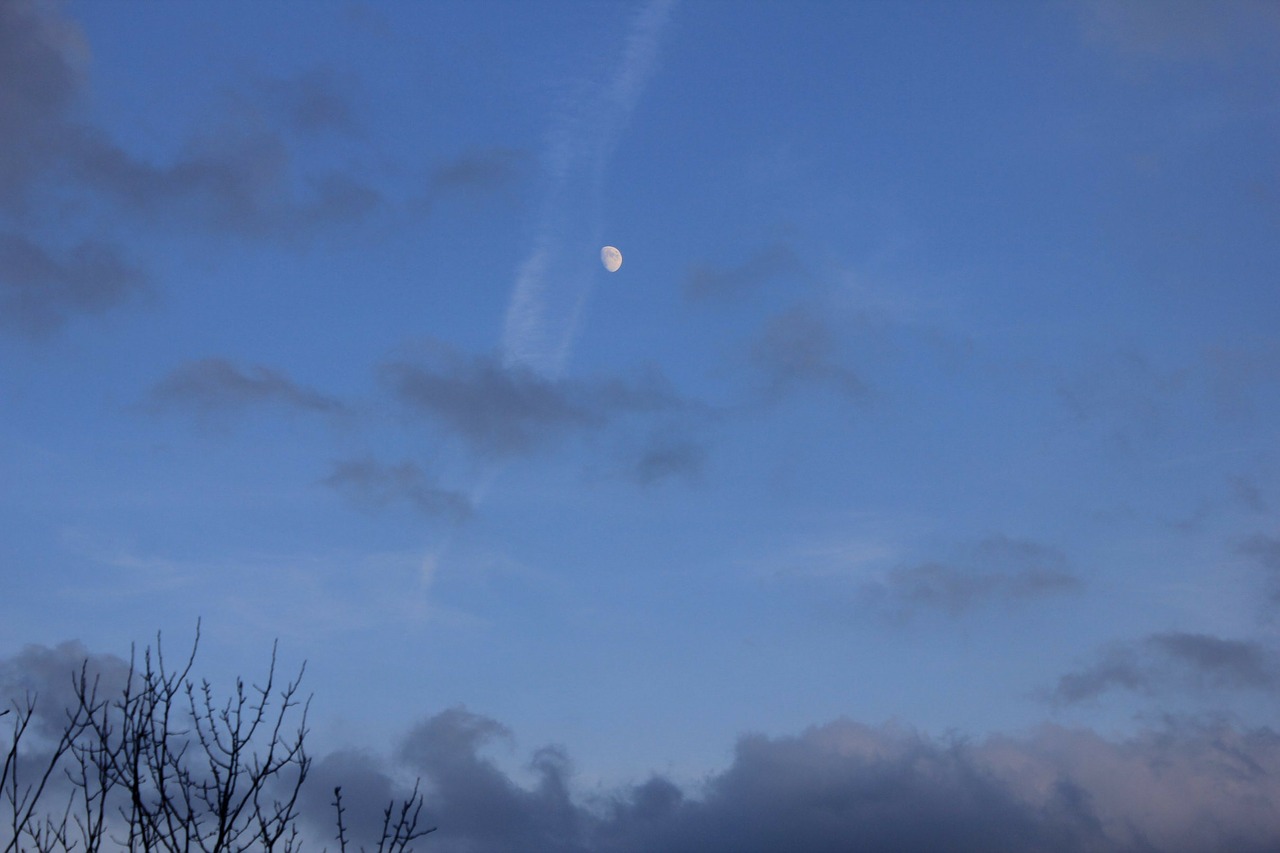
(1185, 786)
(845, 785)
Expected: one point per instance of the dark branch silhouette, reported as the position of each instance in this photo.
(165, 765)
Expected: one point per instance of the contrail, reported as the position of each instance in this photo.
(553, 282)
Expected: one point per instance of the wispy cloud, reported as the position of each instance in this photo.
(997, 568)
(799, 347)
(1172, 661)
(706, 283)
(240, 175)
(502, 410)
(41, 289)
(216, 384)
(479, 170)
(372, 485)
(1266, 551)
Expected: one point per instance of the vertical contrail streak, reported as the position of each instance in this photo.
(552, 283)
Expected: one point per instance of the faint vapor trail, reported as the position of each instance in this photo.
(553, 282)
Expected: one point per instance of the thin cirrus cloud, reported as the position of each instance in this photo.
(1172, 661)
(216, 384)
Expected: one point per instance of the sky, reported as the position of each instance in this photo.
(914, 480)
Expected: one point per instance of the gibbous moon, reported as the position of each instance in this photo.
(611, 258)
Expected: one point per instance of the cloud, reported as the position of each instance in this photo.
(484, 806)
(707, 283)
(372, 485)
(1183, 787)
(41, 290)
(1173, 661)
(501, 410)
(238, 177)
(41, 73)
(312, 102)
(798, 347)
(998, 568)
(1246, 491)
(479, 170)
(215, 384)
(669, 455)
(1184, 30)
(45, 674)
(1266, 551)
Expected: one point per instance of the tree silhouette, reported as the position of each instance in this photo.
(165, 765)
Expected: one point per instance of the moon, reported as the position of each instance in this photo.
(611, 258)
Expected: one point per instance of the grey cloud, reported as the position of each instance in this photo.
(1246, 491)
(906, 589)
(372, 485)
(1222, 663)
(1184, 30)
(1116, 667)
(366, 785)
(46, 674)
(798, 347)
(1182, 787)
(1173, 661)
(1266, 550)
(215, 384)
(480, 170)
(1125, 393)
(998, 568)
(40, 78)
(1241, 377)
(503, 410)
(668, 456)
(239, 178)
(844, 785)
(485, 809)
(711, 283)
(41, 290)
(312, 102)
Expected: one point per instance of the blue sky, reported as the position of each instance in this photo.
(936, 397)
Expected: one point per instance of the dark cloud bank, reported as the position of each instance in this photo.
(841, 786)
